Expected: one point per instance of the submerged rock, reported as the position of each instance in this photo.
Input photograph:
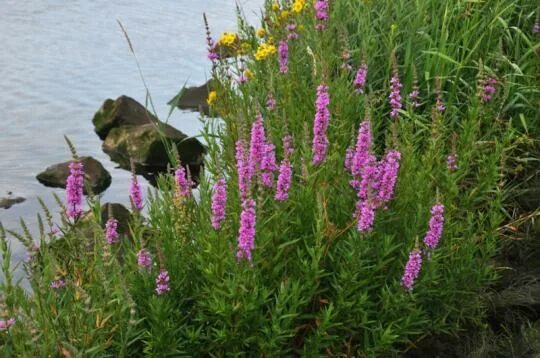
(96, 175)
(6, 203)
(193, 97)
(124, 111)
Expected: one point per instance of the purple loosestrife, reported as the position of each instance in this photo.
(388, 173)
(431, 240)
(452, 162)
(243, 169)
(144, 259)
(219, 202)
(57, 284)
(292, 34)
(360, 79)
(414, 96)
(111, 231)
(162, 282)
(320, 125)
(5, 325)
(412, 269)
(349, 155)
(257, 147)
(246, 233)
(285, 170)
(270, 102)
(74, 189)
(395, 96)
(183, 183)
(283, 52)
(321, 13)
(489, 89)
(268, 165)
(135, 193)
(365, 215)
(362, 149)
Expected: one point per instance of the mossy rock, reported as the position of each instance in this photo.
(194, 98)
(96, 176)
(124, 111)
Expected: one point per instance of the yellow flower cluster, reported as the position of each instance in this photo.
(284, 15)
(261, 32)
(264, 51)
(298, 5)
(275, 6)
(227, 39)
(212, 95)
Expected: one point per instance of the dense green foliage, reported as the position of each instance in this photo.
(315, 285)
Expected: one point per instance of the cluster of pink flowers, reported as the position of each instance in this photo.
(320, 125)
(270, 102)
(111, 231)
(451, 162)
(395, 96)
(162, 282)
(321, 13)
(285, 171)
(144, 259)
(135, 193)
(431, 240)
(283, 52)
(268, 165)
(414, 96)
(57, 284)
(6, 324)
(412, 269)
(360, 79)
(74, 189)
(489, 89)
(374, 181)
(219, 202)
(183, 183)
(257, 147)
(246, 233)
(291, 29)
(243, 169)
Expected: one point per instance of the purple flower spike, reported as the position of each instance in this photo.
(57, 284)
(412, 269)
(257, 146)
(321, 13)
(489, 89)
(284, 180)
(74, 189)
(246, 233)
(270, 102)
(451, 162)
(111, 231)
(360, 79)
(436, 223)
(5, 325)
(135, 193)
(243, 169)
(365, 215)
(183, 183)
(283, 51)
(219, 203)
(320, 125)
(268, 165)
(292, 34)
(144, 259)
(162, 282)
(395, 96)
(388, 170)
(414, 96)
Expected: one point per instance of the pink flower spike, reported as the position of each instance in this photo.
(412, 269)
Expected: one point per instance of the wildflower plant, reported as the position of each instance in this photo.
(317, 248)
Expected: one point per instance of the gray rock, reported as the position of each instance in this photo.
(96, 175)
(144, 146)
(124, 111)
(8, 202)
(193, 98)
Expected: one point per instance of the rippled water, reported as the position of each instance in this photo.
(59, 61)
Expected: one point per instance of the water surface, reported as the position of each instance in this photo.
(61, 59)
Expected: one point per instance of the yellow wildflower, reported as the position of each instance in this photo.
(261, 32)
(275, 6)
(249, 74)
(284, 15)
(264, 51)
(227, 39)
(244, 48)
(212, 95)
(298, 5)
(300, 27)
